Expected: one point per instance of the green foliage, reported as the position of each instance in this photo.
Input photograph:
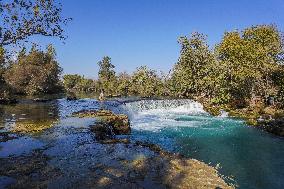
(21, 19)
(86, 85)
(246, 65)
(34, 73)
(71, 81)
(145, 82)
(278, 79)
(78, 83)
(190, 73)
(2, 65)
(107, 78)
(124, 83)
(248, 59)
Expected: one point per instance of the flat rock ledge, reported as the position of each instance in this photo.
(143, 165)
(107, 122)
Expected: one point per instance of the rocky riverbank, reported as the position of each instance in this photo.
(99, 155)
(268, 118)
(153, 166)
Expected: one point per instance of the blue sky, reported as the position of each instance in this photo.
(145, 32)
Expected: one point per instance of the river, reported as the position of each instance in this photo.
(248, 157)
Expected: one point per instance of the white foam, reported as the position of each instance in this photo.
(223, 113)
(154, 115)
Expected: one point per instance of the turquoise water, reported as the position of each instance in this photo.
(253, 158)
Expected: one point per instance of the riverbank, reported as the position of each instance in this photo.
(268, 118)
(68, 152)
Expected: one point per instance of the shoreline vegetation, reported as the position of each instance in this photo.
(243, 75)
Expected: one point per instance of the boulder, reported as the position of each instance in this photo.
(7, 101)
(119, 123)
(69, 98)
(42, 99)
(273, 126)
(103, 131)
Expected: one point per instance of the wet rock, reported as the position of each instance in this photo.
(273, 126)
(118, 122)
(102, 131)
(31, 171)
(31, 127)
(116, 141)
(71, 97)
(7, 101)
(155, 148)
(42, 99)
(142, 168)
(4, 137)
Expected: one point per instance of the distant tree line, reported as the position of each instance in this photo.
(246, 65)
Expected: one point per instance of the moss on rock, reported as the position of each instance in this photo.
(31, 127)
(118, 122)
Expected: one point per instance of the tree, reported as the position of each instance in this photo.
(2, 63)
(2, 69)
(247, 60)
(71, 81)
(192, 67)
(34, 73)
(107, 76)
(84, 84)
(21, 19)
(145, 82)
(124, 82)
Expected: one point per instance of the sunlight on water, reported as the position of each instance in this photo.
(252, 157)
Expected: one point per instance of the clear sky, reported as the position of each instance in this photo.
(145, 32)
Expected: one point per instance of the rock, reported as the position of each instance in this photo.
(118, 122)
(102, 131)
(71, 97)
(42, 100)
(7, 101)
(31, 127)
(4, 137)
(273, 126)
(192, 174)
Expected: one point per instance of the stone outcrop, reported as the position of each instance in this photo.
(273, 126)
(31, 127)
(7, 101)
(119, 123)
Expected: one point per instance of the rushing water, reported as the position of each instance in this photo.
(253, 158)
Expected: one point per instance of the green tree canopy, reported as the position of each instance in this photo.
(145, 82)
(193, 65)
(34, 73)
(21, 19)
(71, 81)
(248, 59)
(107, 77)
